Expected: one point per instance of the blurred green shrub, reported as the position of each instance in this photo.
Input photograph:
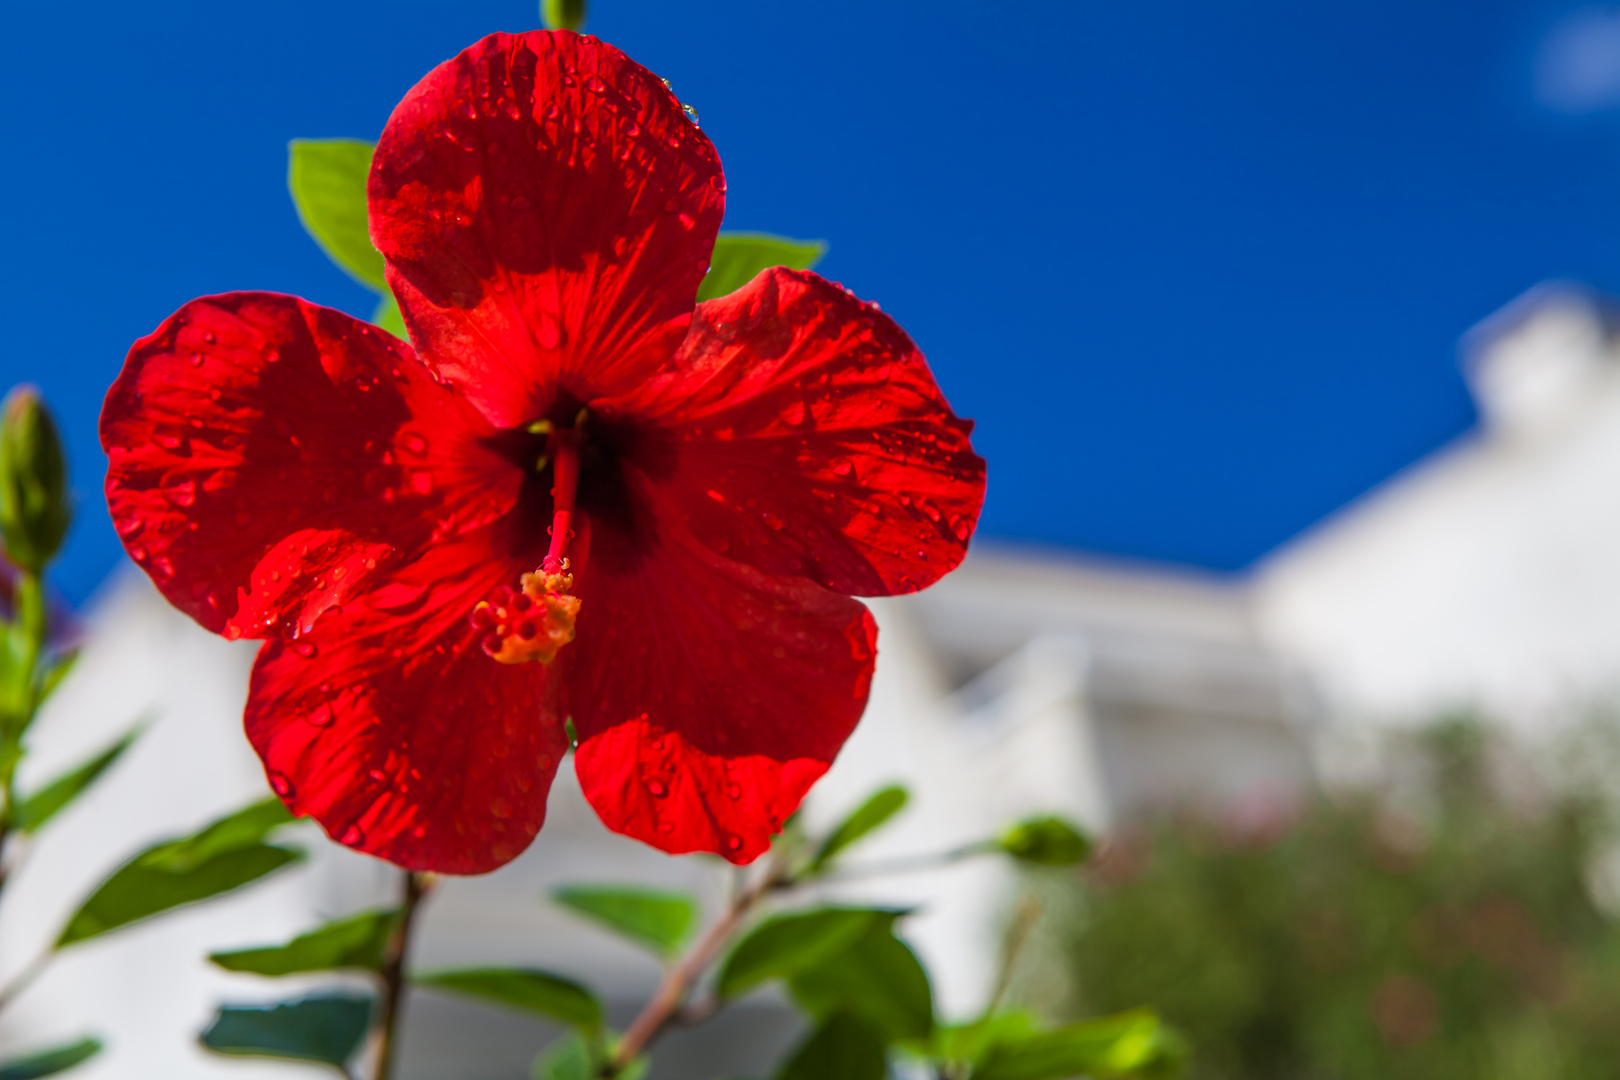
(1355, 942)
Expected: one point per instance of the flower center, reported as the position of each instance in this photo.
(536, 620)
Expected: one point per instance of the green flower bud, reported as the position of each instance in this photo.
(1049, 841)
(34, 506)
(563, 14)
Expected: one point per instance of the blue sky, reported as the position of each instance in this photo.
(1198, 270)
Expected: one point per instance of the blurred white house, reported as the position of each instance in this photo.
(1028, 681)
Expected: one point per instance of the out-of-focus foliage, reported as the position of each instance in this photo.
(738, 256)
(651, 917)
(50, 1062)
(34, 505)
(1458, 940)
(325, 1028)
(356, 942)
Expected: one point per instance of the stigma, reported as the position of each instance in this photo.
(532, 622)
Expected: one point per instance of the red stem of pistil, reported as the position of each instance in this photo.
(565, 480)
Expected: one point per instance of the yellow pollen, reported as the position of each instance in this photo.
(532, 623)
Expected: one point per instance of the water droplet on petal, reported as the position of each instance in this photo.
(281, 785)
(352, 836)
(657, 789)
(733, 842)
(304, 648)
(842, 467)
(208, 336)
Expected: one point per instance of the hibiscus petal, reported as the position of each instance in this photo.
(268, 456)
(547, 212)
(809, 438)
(708, 696)
(390, 726)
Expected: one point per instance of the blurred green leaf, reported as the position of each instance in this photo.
(33, 811)
(650, 916)
(869, 816)
(1135, 1043)
(224, 856)
(387, 317)
(57, 669)
(50, 1062)
(326, 1028)
(327, 178)
(1047, 841)
(970, 1042)
(524, 988)
(568, 1058)
(739, 256)
(842, 1048)
(785, 945)
(355, 942)
(36, 506)
(876, 978)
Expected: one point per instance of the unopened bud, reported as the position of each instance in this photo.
(34, 508)
(563, 14)
(1048, 841)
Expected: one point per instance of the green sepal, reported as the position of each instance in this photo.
(357, 943)
(50, 1062)
(326, 1028)
(650, 917)
(523, 988)
(1046, 841)
(33, 811)
(739, 256)
(842, 1047)
(1128, 1044)
(870, 815)
(226, 855)
(785, 945)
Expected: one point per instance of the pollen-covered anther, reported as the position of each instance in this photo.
(529, 623)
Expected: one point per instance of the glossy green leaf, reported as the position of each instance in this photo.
(225, 856)
(842, 1048)
(878, 979)
(869, 816)
(356, 942)
(326, 1028)
(738, 256)
(50, 1062)
(524, 988)
(33, 811)
(1046, 841)
(649, 916)
(785, 945)
(387, 317)
(327, 178)
(1135, 1043)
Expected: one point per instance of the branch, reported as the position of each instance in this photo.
(417, 887)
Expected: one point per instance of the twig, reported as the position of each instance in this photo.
(911, 865)
(417, 887)
(1029, 910)
(665, 1007)
(26, 976)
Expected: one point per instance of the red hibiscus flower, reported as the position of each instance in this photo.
(573, 495)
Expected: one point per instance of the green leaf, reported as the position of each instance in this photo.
(738, 256)
(842, 1048)
(387, 317)
(57, 669)
(327, 178)
(649, 916)
(569, 1058)
(785, 945)
(871, 814)
(50, 1062)
(1047, 841)
(1135, 1043)
(878, 979)
(356, 942)
(563, 14)
(327, 1028)
(524, 988)
(33, 811)
(970, 1042)
(226, 855)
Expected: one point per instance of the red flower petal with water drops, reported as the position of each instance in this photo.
(708, 696)
(390, 725)
(689, 495)
(814, 441)
(547, 211)
(268, 456)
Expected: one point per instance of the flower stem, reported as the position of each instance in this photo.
(417, 888)
(667, 1000)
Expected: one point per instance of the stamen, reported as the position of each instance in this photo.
(531, 624)
(565, 481)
